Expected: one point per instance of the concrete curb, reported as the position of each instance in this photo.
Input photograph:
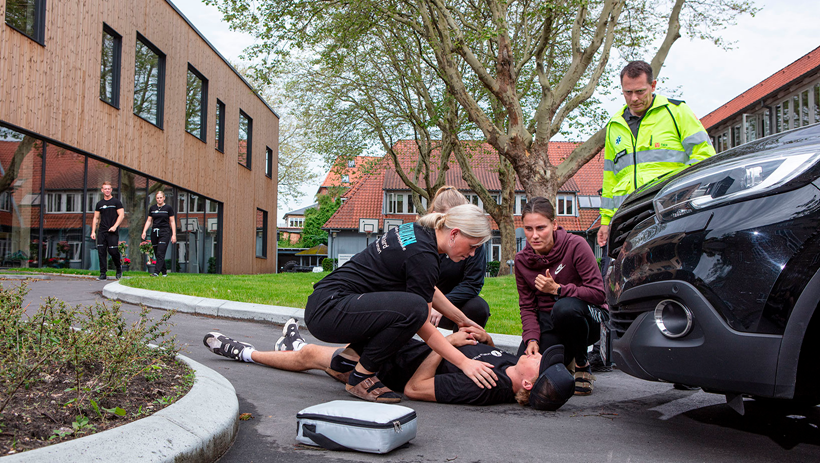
(201, 426)
(240, 310)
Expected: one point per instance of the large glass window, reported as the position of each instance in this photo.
(778, 119)
(110, 66)
(149, 81)
(786, 115)
(796, 111)
(63, 221)
(97, 173)
(220, 126)
(196, 104)
(817, 103)
(751, 127)
(28, 17)
(268, 162)
(261, 233)
(565, 205)
(245, 139)
(20, 242)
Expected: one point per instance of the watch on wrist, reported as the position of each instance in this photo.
(558, 293)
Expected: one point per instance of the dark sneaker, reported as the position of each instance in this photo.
(291, 339)
(373, 390)
(102, 277)
(119, 275)
(220, 344)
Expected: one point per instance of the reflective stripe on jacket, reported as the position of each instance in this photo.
(670, 136)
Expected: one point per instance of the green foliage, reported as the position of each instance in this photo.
(94, 343)
(211, 265)
(492, 267)
(328, 264)
(315, 218)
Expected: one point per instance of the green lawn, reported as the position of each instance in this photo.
(293, 289)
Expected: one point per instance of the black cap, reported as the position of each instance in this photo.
(555, 384)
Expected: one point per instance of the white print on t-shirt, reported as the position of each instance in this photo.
(560, 267)
(106, 207)
(382, 243)
(494, 353)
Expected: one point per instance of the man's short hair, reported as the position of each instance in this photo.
(107, 183)
(635, 68)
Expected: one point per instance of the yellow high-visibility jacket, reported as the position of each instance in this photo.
(670, 136)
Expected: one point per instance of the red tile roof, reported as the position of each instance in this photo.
(365, 199)
(804, 65)
(334, 176)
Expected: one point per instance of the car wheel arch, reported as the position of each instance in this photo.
(800, 320)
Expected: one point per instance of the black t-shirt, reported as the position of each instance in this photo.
(108, 212)
(160, 216)
(462, 281)
(404, 259)
(454, 387)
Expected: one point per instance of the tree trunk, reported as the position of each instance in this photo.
(507, 228)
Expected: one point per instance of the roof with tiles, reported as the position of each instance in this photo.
(334, 176)
(365, 199)
(804, 65)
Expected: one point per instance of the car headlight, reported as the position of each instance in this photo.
(727, 181)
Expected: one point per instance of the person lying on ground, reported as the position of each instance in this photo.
(420, 373)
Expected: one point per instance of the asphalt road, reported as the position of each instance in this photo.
(624, 420)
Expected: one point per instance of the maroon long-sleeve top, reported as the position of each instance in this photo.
(571, 264)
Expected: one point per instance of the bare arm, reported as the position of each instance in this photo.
(173, 221)
(480, 372)
(94, 224)
(147, 226)
(120, 218)
(443, 305)
(422, 385)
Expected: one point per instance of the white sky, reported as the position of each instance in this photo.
(705, 75)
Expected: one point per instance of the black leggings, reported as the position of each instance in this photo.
(570, 323)
(376, 325)
(160, 238)
(476, 309)
(107, 244)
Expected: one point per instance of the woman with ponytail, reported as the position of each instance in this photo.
(381, 297)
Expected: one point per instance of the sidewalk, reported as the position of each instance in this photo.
(239, 310)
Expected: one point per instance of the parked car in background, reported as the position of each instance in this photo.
(715, 280)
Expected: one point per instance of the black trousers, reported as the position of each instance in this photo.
(377, 325)
(107, 245)
(160, 238)
(476, 309)
(571, 322)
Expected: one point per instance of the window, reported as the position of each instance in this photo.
(473, 199)
(767, 129)
(63, 202)
(520, 202)
(212, 206)
(261, 233)
(735, 136)
(149, 82)
(268, 162)
(345, 178)
(351, 163)
(245, 139)
(751, 127)
(196, 105)
(220, 126)
(296, 222)
(804, 108)
(796, 111)
(197, 204)
(5, 201)
(817, 103)
(28, 17)
(778, 119)
(565, 205)
(589, 202)
(399, 203)
(110, 66)
(786, 115)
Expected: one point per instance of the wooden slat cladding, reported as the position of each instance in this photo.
(53, 91)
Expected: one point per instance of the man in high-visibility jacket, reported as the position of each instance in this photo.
(649, 137)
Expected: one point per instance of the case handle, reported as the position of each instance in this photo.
(309, 431)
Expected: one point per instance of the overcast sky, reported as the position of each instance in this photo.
(705, 75)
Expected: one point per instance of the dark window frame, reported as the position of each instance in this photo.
(249, 144)
(220, 126)
(160, 81)
(268, 162)
(39, 22)
(264, 234)
(116, 65)
(203, 108)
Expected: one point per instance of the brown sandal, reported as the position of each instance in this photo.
(584, 382)
(338, 375)
(373, 390)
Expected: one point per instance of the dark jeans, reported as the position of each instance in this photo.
(107, 245)
(376, 325)
(476, 309)
(160, 238)
(571, 323)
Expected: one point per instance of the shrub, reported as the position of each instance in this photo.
(211, 265)
(102, 355)
(492, 267)
(329, 264)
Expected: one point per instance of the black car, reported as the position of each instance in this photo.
(715, 280)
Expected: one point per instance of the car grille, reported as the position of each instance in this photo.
(628, 216)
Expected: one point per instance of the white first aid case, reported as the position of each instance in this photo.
(356, 425)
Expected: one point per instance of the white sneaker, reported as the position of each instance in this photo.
(291, 339)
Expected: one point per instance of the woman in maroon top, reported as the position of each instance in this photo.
(559, 291)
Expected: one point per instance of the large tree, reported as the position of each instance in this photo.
(540, 61)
